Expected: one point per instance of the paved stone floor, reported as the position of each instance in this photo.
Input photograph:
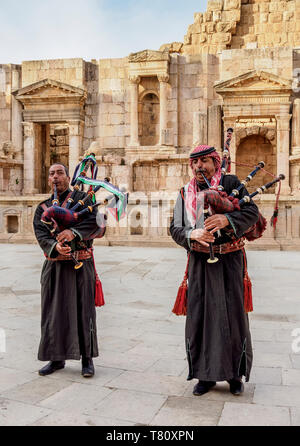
(141, 371)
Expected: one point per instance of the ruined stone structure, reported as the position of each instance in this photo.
(238, 66)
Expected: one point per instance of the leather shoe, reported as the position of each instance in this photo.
(51, 367)
(203, 387)
(236, 386)
(87, 367)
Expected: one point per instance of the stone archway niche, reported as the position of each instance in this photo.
(251, 150)
(149, 119)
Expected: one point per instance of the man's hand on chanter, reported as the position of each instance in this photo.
(216, 222)
(202, 236)
(63, 250)
(65, 236)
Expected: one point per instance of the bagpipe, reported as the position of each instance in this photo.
(216, 200)
(57, 218)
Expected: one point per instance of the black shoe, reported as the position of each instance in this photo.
(51, 367)
(203, 387)
(236, 386)
(87, 367)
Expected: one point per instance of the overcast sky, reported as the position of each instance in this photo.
(91, 29)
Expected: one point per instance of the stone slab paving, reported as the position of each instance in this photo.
(141, 371)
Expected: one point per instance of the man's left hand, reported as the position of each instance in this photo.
(216, 222)
(65, 236)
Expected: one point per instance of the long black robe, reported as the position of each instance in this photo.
(217, 335)
(68, 321)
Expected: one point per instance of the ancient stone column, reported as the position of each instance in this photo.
(134, 114)
(288, 209)
(29, 165)
(76, 129)
(294, 175)
(227, 124)
(283, 143)
(199, 128)
(296, 127)
(16, 119)
(214, 126)
(163, 88)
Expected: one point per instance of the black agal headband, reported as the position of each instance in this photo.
(204, 152)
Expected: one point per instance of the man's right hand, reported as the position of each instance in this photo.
(63, 250)
(202, 236)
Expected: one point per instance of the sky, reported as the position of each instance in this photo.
(91, 29)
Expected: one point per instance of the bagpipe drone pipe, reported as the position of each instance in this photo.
(57, 218)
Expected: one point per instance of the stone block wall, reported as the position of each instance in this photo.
(278, 61)
(68, 71)
(234, 24)
(268, 24)
(195, 94)
(113, 105)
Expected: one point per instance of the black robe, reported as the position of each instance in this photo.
(217, 336)
(68, 322)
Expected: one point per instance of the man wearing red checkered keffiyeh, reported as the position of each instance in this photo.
(217, 335)
(203, 159)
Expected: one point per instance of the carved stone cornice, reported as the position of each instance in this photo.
(149, 55)
(149, 64)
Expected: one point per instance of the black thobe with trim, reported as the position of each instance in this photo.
(217, 335)
(68, 320)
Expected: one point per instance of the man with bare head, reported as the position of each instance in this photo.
(68, 326)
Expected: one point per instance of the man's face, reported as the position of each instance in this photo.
(205, 163)
(58, 176)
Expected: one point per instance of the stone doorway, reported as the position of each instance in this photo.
(252, 150)
(149, 124)
(51, 146)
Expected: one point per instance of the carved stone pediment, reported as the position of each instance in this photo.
(149, 55)
(254, 81)
(51, 101)
(49, 88)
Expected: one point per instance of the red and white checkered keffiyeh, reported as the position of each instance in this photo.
(194, 199)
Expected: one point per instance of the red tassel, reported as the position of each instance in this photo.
(274, 218)
(276, 209)
(181, 300)
(180, 305)
(99, 297)
(248, 302)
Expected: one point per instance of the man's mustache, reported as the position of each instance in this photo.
(201, 171)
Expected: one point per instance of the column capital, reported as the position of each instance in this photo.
(163, 78)
(28, 128)
(283, 121)
(75, 122)
(229, 120)
(134, 79)
(76, 127)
